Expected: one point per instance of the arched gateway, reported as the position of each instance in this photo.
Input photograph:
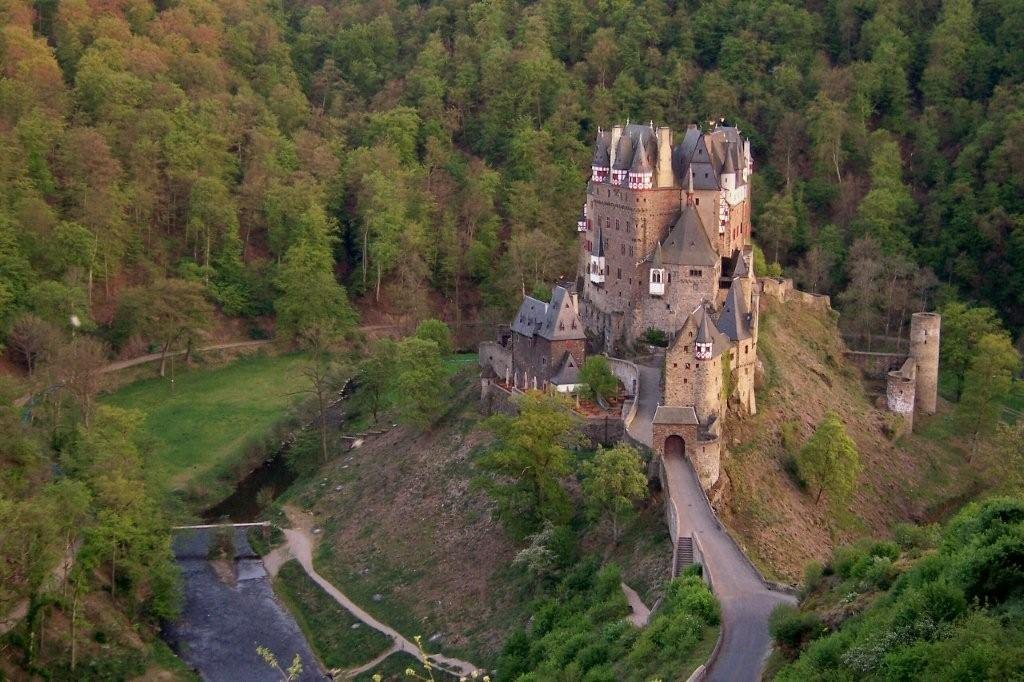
(675, 446)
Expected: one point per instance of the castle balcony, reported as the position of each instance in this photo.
(583, 224)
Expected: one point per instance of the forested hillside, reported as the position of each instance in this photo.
(433, 155)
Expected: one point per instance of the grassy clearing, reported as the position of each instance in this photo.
(339, 639)
(203, 425)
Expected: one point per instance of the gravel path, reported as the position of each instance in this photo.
(300, 544)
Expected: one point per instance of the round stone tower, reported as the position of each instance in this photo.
(924, 348)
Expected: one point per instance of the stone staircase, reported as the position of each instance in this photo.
(683, 556)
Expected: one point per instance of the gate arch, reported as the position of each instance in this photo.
(675, 446)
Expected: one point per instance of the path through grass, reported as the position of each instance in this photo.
(203, 425)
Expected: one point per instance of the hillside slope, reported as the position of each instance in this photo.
(408, 537)
(778, 523)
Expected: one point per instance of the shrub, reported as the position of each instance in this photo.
(655, 337)
(792, 628)
(813, 575)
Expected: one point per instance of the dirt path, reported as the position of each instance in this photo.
(301, 543)
(152, 357)
(640, 613)
(20, 610)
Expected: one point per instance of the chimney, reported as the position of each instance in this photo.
(665, 178)
(616, 134)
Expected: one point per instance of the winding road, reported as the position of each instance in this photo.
(745, 599)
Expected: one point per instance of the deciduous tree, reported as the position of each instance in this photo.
(829, 460)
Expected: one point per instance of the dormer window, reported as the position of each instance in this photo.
(702, 351)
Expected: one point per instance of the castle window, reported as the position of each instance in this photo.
(686, 348)
(687, 365)
(670, 277)
(696, 273)
(618, 274)
(697, 366)
(697, 201)
(746, 349)
(685, 380)
(616, 224)
(674, 365)
(631, 250)
(691, 335)
(623, 249)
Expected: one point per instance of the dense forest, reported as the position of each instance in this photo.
(432, 156)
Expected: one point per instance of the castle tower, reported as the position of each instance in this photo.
(924, 349)
(900, 389)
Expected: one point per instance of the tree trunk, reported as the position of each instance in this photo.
(323, 424)
(366, 247)
(377, 297)
(818, 498)
(74, 629)
(163, 359)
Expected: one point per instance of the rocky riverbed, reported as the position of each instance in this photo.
(229, 610)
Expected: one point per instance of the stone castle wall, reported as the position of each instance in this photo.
(900, 387)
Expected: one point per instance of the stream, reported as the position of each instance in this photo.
(229, 607)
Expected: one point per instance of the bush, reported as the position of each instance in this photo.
(792, 628)
(598, 377)
(655, 337)
(438, 332)
(813, 575)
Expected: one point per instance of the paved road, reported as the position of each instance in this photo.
(650, 395)
(746, 601)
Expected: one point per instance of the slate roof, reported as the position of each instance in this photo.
(707, 332)
(709, 155)
(733, 320)
(568, 372)
(632, 135)
(555, 321)
(657, 260)
(530, 316)
(562, 322)
(675, 415)
(641, 159)
(600, 242)
(687, 242)
(743, 265)
(602, 149)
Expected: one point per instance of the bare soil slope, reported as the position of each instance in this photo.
(409, 538)
(776, 521)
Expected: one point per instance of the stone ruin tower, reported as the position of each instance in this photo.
(914, 386)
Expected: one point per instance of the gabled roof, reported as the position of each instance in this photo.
(568, 372)
(732, 321)
(623, 152)
(709, 155)
(744, 267)
(562, 322)
(687, 242)
(530, 317)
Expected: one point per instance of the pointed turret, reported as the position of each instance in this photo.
(641, 172)
(601, 163)
(709, 342)
(728, 177)
(734, 320)
(623, 159)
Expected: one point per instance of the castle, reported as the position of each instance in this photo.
(665, 245)
(665, 250)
